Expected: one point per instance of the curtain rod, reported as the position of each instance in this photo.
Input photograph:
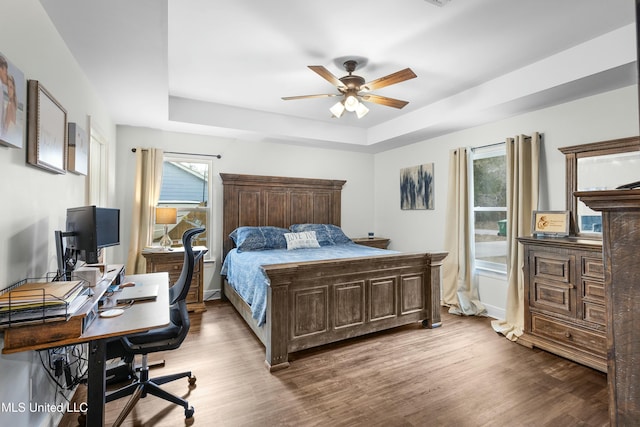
(501, 142)
(488, 145)
(218, 156)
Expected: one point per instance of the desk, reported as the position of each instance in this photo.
(140, 317)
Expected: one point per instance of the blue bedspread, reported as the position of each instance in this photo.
(245, 274)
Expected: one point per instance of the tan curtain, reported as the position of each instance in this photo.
(523, 158)
(460, 287)
(145, 198)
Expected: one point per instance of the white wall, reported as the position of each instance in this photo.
(256, 158)
(607, 116)
(34, 201)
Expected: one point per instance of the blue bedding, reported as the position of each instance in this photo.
(245, 273)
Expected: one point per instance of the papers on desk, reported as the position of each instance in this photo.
(40, 301)
(40, 293)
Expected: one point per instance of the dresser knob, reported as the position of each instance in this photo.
(567, 334)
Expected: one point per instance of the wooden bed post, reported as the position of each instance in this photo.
(277, 334)
(433, 297)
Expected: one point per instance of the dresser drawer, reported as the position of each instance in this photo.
(570, 335)
(552, 266)
(593, 267)
(593, 289)
(595, 313)
(557, 297)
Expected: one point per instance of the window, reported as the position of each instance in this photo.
(489, 177)
(185, 186)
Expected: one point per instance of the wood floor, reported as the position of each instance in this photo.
(461, 374)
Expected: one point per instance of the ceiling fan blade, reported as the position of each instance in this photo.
(383, 100)
(326, 95)
(326, 74)
(391, 79)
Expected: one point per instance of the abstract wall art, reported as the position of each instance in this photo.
(416, 187)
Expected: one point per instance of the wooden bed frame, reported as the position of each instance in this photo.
(318, 302)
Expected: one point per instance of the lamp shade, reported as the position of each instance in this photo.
(361, 110)
(166, 215)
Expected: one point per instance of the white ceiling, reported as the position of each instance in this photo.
(220, 67)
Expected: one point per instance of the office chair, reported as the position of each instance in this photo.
(179, 290)
(168, 338)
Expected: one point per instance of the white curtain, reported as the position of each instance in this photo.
(145, 198)
(460, 287)
(523, 159)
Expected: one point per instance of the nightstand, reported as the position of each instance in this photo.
(171, 262)
(374, 242)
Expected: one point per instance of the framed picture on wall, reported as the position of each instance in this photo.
(12, 107)
(550, 223)
(416, 187)
(78, 150)
(46, 130)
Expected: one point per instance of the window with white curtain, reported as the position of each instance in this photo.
(185, 186)
(489, 184)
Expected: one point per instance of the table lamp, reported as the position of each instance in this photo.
(166, 216)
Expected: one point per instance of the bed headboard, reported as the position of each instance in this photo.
(256, 200)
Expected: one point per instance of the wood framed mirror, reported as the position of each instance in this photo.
(602, 165)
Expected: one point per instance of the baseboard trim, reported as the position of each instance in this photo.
(495, 312)
(211, 294)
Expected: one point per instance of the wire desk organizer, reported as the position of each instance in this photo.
(41, 300)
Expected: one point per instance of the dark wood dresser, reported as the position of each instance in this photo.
(621, 247)
(564, 290)
(171, 262)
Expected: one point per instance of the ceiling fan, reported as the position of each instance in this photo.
(353, 89)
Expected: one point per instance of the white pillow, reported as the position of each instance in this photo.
(305, 239)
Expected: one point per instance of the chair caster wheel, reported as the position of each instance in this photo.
(188, 413)
(192, 380)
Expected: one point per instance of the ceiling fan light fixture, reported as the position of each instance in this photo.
(351, 86)
(351, 102)
(337, 110)
(361, 110)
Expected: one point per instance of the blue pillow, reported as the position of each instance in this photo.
(259, 238)
(327, 234)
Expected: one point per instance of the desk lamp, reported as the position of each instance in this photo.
(166, 216)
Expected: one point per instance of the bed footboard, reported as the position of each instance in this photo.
(315, 303)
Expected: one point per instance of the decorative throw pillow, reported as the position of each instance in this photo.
(327, 234)
(259, 238)
(303, 240)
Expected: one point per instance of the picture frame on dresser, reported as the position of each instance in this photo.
(46, 130)
(550, 223)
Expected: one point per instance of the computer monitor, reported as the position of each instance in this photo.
(88, 230)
